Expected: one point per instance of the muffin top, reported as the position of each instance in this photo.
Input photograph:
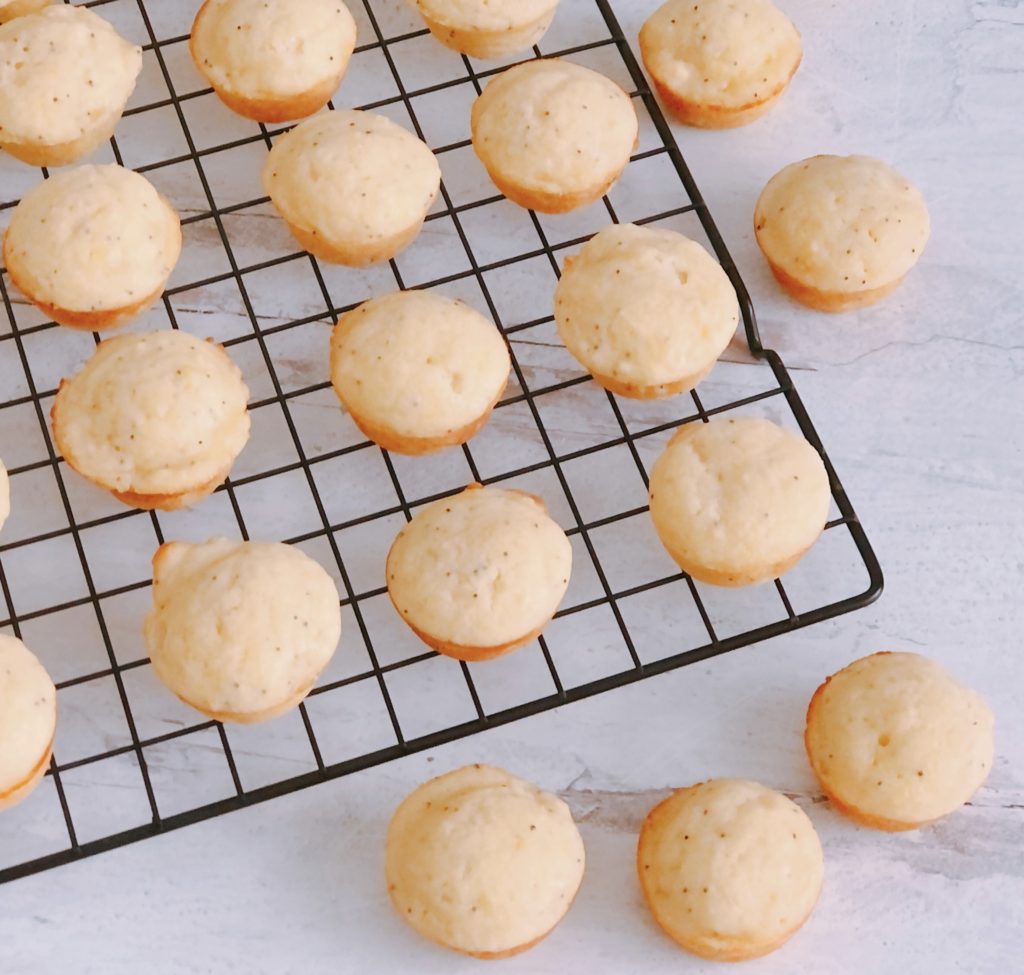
(479, 569)
(418, 363)
(842, 223)
(482, 861)
(62, 70)
(724, 53)
(153, 413)
(239, 627)
(93, 238)
(729, 867)
(554, 126)
(738, 493)
(273, 48)
(489, 15)
(897, 737)
(351, 175)
(28, 713)
(644, 306)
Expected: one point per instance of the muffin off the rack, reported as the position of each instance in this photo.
(720, 63)
(482, 862)
(729, 868)
(66, 75)
(896, 742)
(840, 232)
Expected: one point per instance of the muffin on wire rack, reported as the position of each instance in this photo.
(65, 77)
(273, 60)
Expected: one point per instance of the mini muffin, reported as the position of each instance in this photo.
(68, 75)
(738, 500)
(720, 63)
(157, 418)
(353, 187)
(416, 371)
(9, 9)
(488, 28)
(273, 60)
(729, 868)
(28, 720)
(896, 742)
(840, 232)
(240, 630)
(5, 494)
(92, 247)
(481, 573)
(647, 312)
(482, 862)
(553, 135)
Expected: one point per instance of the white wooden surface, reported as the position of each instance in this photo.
(920, 404)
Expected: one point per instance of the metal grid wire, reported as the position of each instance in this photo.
(129, 761)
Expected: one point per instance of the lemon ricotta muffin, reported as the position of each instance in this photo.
(720, 63)
(28, 720)
(9, 9)
(417, 371)
(157, 418)
(482, 862)
(647, 312)
(480, 573)
(240, 630)
(738, 500)
(273, 60)
(92, 247)
(553, 135)
(488, 28)
(896, 742)
(65, 75)
(353, 187)
(729, 868)
(840, 232)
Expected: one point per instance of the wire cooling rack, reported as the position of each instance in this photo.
(129, 760)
